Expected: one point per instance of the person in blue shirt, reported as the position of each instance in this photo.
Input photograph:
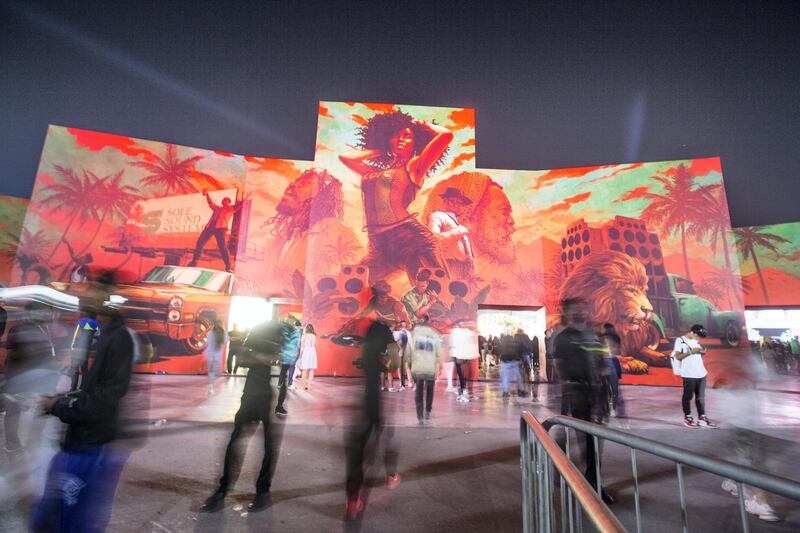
(290, 349)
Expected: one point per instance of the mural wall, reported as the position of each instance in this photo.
(391, 220)
(770, 268)
(12, 216)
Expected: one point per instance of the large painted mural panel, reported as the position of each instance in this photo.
(770, 268)
(12, 236)
(647, 243)
(166, 218)
(391, 220)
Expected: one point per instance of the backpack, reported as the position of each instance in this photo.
(676, 365)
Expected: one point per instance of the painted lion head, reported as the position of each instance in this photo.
(615, 286)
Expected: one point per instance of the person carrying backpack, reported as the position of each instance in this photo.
(687, 362)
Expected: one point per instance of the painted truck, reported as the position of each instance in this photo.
(682, 308)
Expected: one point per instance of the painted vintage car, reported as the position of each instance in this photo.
(171, 302)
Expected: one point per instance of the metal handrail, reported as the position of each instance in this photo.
(739, 473)
(750, 476)
(547, 455)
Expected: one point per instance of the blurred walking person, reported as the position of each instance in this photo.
(425, 347)
(580, 351)
(217, 339)
(32, 370)
(510, 360)
(611, 372)
(462, 345)
(290, 350)
(370, 420)
(83, 476)
(260, 351)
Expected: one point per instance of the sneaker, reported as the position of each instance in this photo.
(353, 508)
(506, 395)
(704, 422)
(427, 415)
(392, 481)
(384, 389)
(392, 389)
(689, 422)
(730, 486)
(473, 397)
(420, 421)
(520, 393)
(463, 398)
(401, 389)
(762, 510)
(280, 411)
(211, 389)
(214, 503)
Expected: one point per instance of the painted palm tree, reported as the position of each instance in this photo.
(499, 285)
(553, 279)
(74, 194)
(678, 209)
(171, 174)
(748, 239)
(29, 252)
(344, 251)
(726, 282)
(114, 201)
(531, 282)
(716, 217)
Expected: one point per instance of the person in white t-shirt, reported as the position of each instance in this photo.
(689, 353)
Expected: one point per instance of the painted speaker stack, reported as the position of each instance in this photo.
(622, 234)
(351, 285)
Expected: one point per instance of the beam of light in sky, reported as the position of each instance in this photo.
(144, 71)
(635, 127)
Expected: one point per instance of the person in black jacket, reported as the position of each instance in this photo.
(510, 352)
(369, 421)
(580, 352)
(259, 352)
(83, 476)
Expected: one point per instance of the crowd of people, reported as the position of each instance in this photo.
(92, 400)
(782, 357)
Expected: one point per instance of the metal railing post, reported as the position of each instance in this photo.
(596, 443)
(527, 496)
(548, 458)
(684, 515)
(741, 475)
(636, 491)
(742, 509)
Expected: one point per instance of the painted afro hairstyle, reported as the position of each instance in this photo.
(378, 131)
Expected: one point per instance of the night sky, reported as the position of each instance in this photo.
(554, 84)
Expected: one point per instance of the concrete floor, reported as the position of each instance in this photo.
(460, 473)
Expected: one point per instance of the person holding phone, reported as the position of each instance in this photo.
(689, 353)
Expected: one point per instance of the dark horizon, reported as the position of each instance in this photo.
(565, 85)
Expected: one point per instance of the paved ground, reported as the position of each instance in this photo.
(460, 473)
